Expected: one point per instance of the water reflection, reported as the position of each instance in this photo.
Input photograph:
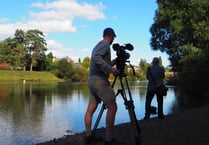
(36, 112)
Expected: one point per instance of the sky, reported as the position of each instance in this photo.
(73, 27)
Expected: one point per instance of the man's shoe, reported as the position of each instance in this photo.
(91, 140)
(146, 117)
(161, 116)
(114, 142)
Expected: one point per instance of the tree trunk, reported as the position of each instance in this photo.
(31, 66)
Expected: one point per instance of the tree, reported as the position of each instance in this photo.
(143, 65)
(181, 29)
(49, 62)
(35, 46)
(5, 50)
(86, 62)
(11, 52)
(180, 25)
(65, 69)
(20, 50)
(81, 73)
(18, 54)
(79, 60)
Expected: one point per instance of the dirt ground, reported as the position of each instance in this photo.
(189, 127)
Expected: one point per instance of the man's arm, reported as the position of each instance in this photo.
(99, 56)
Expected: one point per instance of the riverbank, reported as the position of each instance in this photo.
(189, 127)
(7, 75)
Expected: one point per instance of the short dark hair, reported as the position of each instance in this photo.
(109, 32)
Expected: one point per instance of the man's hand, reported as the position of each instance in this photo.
(114, 71)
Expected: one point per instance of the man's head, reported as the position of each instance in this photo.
(155, 60)
(109, 34)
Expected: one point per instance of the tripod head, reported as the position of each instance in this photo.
(122, 57)
(121, 69)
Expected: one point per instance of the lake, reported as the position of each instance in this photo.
(33, 112)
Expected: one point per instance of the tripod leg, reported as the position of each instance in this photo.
(130, 107)
(134, 122)
(98, 118)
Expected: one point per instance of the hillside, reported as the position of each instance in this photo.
(6, 75)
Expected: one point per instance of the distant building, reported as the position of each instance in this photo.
(69, 59)
(54, 59)
(137, 69)
(4, 66)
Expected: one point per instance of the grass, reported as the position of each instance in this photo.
(7, 75)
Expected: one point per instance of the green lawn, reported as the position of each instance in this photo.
(7, 75)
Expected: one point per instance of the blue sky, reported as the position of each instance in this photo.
(73, 27)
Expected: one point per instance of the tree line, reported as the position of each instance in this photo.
(27, 51)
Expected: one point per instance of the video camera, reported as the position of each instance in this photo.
(122, 55)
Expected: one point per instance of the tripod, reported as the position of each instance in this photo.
(128, 102)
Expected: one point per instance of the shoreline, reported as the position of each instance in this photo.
(188, 127)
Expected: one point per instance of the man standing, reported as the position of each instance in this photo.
(155, 75)
(100, 89)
